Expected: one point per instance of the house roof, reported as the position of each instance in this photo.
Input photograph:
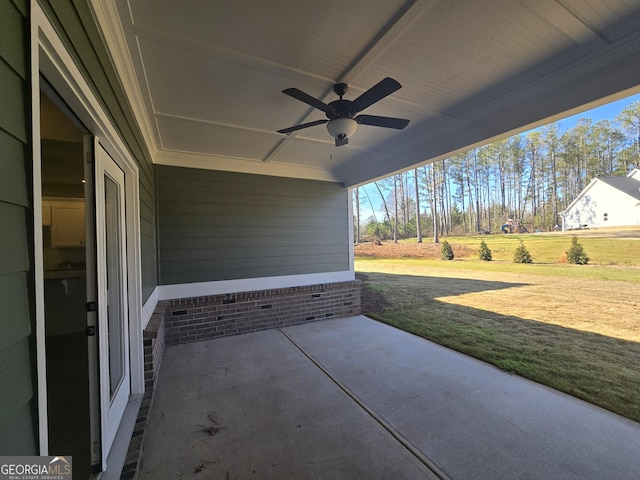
(205, 78)
(627, 185)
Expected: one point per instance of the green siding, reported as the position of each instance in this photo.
(14, 91)
(17, 373)
(14, 254)
(221, 226)
(13, 181)
(16, 437)
(13, 42)
(77, 29)
(15, 305)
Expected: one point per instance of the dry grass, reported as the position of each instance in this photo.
(578, 335)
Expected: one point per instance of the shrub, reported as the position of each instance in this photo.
(522, 255)
(485, 252)
(446, 252)
(576, 253)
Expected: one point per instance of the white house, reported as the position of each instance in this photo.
(605, 202)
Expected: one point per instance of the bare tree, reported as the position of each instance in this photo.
(416, 185)
(629, 119)
(384, 202)
(434, 213)
(395, 204)
(357, 214)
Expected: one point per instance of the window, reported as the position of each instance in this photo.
(606, 217)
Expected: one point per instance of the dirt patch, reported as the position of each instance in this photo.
(409, 250)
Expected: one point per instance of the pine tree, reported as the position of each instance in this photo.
(576, 253)
(484, 252)
(446, 252)
(522, 255)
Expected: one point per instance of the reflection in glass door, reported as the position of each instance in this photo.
(115, 304)
(67, 264)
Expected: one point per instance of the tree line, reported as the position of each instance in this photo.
(526, 179)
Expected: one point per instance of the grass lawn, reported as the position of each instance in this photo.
(573, 328)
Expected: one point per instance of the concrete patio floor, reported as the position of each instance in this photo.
(355, 399)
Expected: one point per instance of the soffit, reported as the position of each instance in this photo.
(206, 77)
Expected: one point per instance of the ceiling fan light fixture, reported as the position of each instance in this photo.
(342, 128)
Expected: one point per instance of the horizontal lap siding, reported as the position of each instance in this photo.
(223, 226)
(17, 371)
(75, 25)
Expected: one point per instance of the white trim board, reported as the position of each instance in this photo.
(240, 165)
(38, 267)
(109, 24)
(149, 307)
(204, 289)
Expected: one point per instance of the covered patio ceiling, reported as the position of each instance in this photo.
(205, 78)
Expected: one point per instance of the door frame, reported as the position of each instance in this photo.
(50, 59)
(111, 407)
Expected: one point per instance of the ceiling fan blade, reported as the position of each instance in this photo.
(388, 122)
(302, 125)
(308, 99)
(380, 90)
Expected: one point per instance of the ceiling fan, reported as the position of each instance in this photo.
(342, 121)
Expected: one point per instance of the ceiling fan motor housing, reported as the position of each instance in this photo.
(340, 109)
(340, 89)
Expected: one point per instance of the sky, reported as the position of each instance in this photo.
(605, 112)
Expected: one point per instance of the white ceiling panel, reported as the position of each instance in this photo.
(320, 38)
(311, 153)
(197, 137)
(323, 155)
(205, 77)
(604, 17)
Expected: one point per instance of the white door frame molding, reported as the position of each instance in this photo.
(50, 58)
(112, 296)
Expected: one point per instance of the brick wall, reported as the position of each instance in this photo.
(202, 318)
(153, 343)
(153, 347)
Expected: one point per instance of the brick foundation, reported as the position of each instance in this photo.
(153, 345)
(203, 318)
